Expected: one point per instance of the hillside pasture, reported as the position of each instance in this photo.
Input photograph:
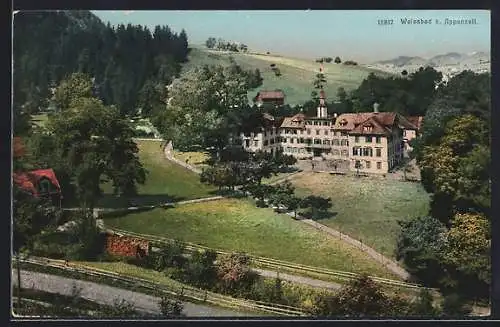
(165, 180)
(366, 208)
(238, 225)
(297, 75)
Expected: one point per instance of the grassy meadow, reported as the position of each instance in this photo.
(165, 181)
(365, 208)
(238, 225)
(297, 74)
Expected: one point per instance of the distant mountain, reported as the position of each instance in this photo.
(447, 59)
(404, 61)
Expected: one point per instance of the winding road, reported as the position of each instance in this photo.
(105, 294)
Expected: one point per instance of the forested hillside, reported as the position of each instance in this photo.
(124, 61)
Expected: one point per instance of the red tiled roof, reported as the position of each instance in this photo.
(381, 122)
(376, 127)
(351, 119)
(416, 121)
(28, 181)
(296, 121)
(270, 95)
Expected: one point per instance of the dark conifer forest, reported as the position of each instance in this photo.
(122, 60)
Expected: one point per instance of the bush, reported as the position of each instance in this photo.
(260, 203)
(200, 270)
(176, 273)
(171, 307)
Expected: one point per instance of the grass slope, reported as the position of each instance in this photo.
(297, 74)
(366, 209)
(165, 181)
(237, 225)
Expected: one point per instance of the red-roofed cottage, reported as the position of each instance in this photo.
(40, 183)
(271, 97)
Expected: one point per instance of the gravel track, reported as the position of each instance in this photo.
(105, 294)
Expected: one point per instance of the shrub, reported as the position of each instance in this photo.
(171, 307)
(200, 269)
(234, 274)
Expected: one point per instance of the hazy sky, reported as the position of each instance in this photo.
(349, 34)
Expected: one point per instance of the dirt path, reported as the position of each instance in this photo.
(169, 156)
(386, 262)
(105, 294)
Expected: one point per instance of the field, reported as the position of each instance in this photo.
(165, 181)
(237, 225)
(297, 74)
(364, 208)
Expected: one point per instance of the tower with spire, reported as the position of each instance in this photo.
(322, 111)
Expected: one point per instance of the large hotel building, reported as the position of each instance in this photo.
(371, 142)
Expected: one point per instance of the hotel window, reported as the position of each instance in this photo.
(265, 133)
(326, 132)
(316, 141)
(266, 143)
(316, 123)
(301, 140)
(335, 152)
(326, 142)
(292, 140)
(356, 139)
(368, 164)
(343, 133)
(295, 131)
(317, 132)
(378, 139)
(379, 165)
(335, 142)
(308, 132)
(345, 153)
(378, 152)
(368, 139)
(256, 143)
(247, 143)
(272, 141)
(325, 123)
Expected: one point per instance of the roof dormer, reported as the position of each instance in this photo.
(368, 128)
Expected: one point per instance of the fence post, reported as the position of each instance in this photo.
(205, 297)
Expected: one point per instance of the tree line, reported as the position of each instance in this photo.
(220, 44)
(123, 61)
(450, 248)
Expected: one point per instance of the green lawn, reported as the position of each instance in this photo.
(165, 181)
(366, 208)
(237, 225)
(297, 74)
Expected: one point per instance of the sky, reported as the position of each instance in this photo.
(356, 35)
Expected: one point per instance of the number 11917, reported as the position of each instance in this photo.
(385, 21)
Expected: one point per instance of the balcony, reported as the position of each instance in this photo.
(319, 146)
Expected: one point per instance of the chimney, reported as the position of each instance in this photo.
(375, 107)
